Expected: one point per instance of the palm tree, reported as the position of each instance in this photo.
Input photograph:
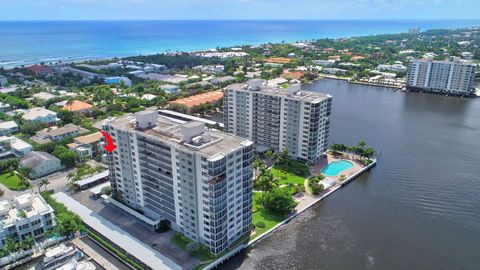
(44, 182)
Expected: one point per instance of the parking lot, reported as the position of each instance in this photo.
(128, 223)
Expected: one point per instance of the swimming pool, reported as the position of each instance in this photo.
(336, 167)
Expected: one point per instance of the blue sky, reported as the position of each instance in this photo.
(237, 9)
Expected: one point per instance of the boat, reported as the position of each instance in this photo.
(74, 264)
(58, 256)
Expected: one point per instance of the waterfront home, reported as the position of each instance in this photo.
(7, 128)
(78, 106)
(41, 115)
(55, 133)
(334, 71)
(13, 146)
(116, 80)
(41, 163)
(26, 215)
(170, 88)
(87, 145)
(395, 67)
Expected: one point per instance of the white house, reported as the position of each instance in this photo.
(7, 128)
(27, 215)
(41, 115)
(41, 163)
(13, 146)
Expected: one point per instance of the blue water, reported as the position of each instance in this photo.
(28, 42)
(336, 167)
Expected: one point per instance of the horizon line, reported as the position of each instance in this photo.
(106, 20)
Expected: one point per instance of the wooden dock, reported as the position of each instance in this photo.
(90, 252)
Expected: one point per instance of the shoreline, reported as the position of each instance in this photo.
(262, 236)
(229, 42)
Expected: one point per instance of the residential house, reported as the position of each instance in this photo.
(27, 215)
(7, 128)
(87, 145)
(55, 133)
(44, 96)
(13, 146)
(41, 163)
(41, 115)
(78, 106)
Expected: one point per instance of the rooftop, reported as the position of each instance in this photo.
(33, 113)
(77, 105)
(88, 139)
(190, 136)
(31, 204)
(35, 158)
(200, 98)
(293, 92)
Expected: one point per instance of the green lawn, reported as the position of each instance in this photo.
(203, 254)
(292, 172)
(286, 177)
(260, 214)
(12, 181)
(294, 167)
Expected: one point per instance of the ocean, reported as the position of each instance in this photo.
(29, 42)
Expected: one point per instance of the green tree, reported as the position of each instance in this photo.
(279, 201)
(30, 127)
(68, 157)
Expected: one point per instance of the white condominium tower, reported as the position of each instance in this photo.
(445, 77)
(276, 118)
(198, 180)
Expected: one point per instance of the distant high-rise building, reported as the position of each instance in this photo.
(276, 119)
(198, 180)
(446, 77)
(415, 30)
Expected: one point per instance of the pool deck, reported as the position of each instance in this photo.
(306, 201)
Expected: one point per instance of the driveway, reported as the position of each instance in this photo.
(157, 241)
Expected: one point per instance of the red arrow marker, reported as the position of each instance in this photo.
(110, 146)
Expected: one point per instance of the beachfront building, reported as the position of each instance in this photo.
(445, 77)
(275, 119)
(27, 215)
(196, 179)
